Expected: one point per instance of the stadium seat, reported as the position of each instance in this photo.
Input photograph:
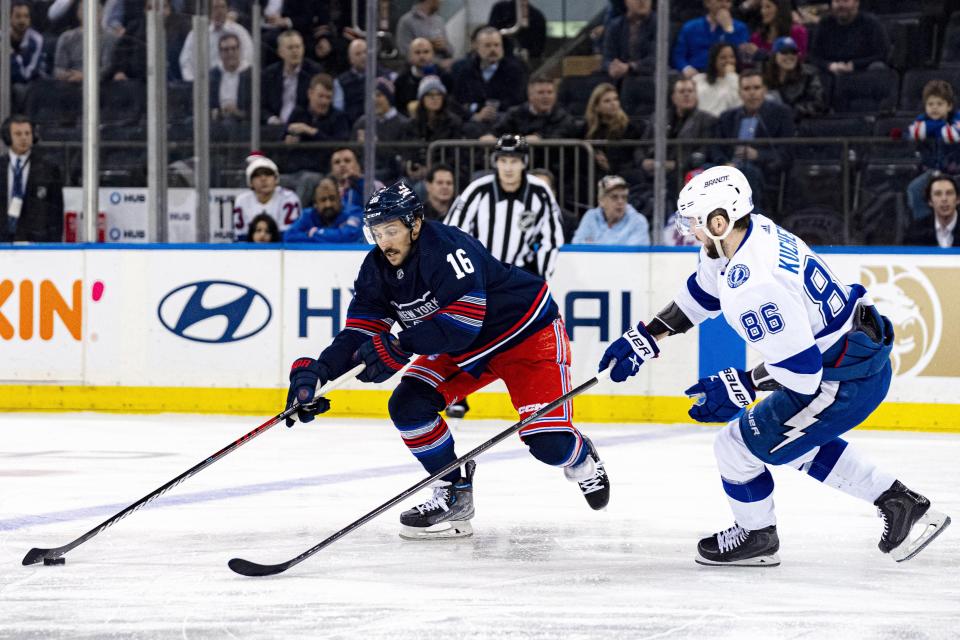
(683, 10)
(873, 92)
(880, 207)
(180, 102)
(123, 165)
(893, 128)
(123, 102)
(911, 39)
(54, 133)
(832, 128)
(54, 102)
(637, 95)
(816, 225)
(911, 93)
(575, 92)
(885, 8)
(951, 42)
(814, 183)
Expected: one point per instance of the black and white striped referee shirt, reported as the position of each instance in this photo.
(522, 228)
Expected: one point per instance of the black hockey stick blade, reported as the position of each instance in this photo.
(254, 569)
(38, 555)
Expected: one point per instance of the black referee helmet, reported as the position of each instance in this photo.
(511, 144)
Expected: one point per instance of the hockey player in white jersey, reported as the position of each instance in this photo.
(265, 196)
(825, 351)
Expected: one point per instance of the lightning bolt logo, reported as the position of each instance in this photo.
(808, 416)
(796, 432)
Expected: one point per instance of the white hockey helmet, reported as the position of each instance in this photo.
(716, 188)
(257, 160)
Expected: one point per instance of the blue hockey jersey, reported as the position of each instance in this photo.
(450, 296)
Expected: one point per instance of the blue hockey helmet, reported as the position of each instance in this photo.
(396, 202)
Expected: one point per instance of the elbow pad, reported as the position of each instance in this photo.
(671, 320)
(762, 380)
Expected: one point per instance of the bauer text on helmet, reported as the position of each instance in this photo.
(716, 188)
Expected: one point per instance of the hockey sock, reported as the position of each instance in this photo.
(557, 448)
(746, 480)
(432, 444)
(841, 466)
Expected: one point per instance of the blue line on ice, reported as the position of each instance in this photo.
(106, 510)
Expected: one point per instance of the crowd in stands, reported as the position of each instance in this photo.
(744, 72)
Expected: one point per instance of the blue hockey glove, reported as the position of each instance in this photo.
(722, 396)
(628, 352)
(305, 375)
(383, 357)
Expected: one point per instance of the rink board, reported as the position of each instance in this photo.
(147, 328)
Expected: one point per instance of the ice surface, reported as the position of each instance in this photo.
(541, 564)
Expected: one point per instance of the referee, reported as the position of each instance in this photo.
(513, 214)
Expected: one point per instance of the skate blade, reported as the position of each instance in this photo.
(930, 525)
(440, 531)
(759, 562)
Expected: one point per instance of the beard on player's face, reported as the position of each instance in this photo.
(711, 249)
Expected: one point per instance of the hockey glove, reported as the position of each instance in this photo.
(628, 352)
(305, 375)
(383, 357)
(722, 396)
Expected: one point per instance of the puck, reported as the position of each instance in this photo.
(52, 561)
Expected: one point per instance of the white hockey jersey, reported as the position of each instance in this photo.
(780, 297)
(284, 207)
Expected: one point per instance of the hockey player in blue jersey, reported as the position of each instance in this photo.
(825, 351)
(473, 320)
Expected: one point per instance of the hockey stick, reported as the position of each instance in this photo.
(36, 555)
(248, 568)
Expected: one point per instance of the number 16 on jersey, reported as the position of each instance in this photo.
(460, 262)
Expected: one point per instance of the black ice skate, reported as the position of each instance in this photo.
(445, 515)
(738, 547)
(592, 478)
(905, 512)
(458, 409)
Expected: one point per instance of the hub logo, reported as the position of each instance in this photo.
(214, 311)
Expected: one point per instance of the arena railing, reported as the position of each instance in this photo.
(854, 187)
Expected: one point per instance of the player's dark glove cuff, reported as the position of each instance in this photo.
(383, 357)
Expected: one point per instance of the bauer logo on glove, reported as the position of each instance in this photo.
(721, 397)
(628, 352)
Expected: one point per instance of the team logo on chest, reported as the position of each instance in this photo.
(399, 274)
(416, 311)
(737, 275)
